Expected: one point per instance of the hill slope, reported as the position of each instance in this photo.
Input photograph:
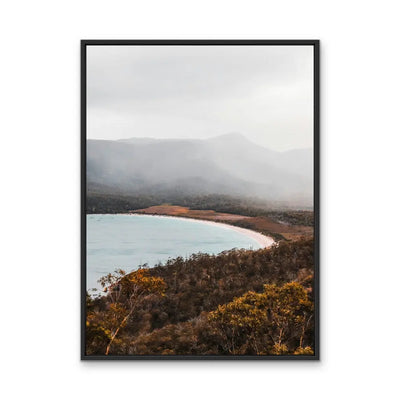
(228, 164)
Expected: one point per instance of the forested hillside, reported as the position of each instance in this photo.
(238, 302)
(228, 165)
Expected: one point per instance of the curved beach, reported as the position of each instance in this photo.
(262, 240)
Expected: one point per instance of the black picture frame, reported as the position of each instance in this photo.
(316, 47)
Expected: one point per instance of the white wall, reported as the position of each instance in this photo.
(40, 202)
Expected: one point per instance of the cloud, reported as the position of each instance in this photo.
(264, 92)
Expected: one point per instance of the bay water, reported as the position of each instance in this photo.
(128, 241)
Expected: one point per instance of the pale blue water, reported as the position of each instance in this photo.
(127, 241)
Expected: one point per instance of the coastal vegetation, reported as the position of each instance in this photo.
(239, 302)
(98, 202)
(281, 224)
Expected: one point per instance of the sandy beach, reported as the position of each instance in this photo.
(262, 240)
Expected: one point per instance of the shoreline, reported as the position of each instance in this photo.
(263, 240)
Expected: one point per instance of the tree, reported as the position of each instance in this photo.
(126, 291)
(272, 322)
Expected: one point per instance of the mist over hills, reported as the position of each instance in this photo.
(228, 165)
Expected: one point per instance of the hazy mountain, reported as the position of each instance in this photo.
(227, 164)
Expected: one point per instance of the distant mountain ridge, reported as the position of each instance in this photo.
(228, 164)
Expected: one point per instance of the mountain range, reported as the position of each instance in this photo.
(229, 164)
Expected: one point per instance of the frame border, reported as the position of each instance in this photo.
(230, 42)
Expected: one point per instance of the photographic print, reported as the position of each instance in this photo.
(200, 207)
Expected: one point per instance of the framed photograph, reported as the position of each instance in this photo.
(200, 199)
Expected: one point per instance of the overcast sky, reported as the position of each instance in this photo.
(262, 92)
